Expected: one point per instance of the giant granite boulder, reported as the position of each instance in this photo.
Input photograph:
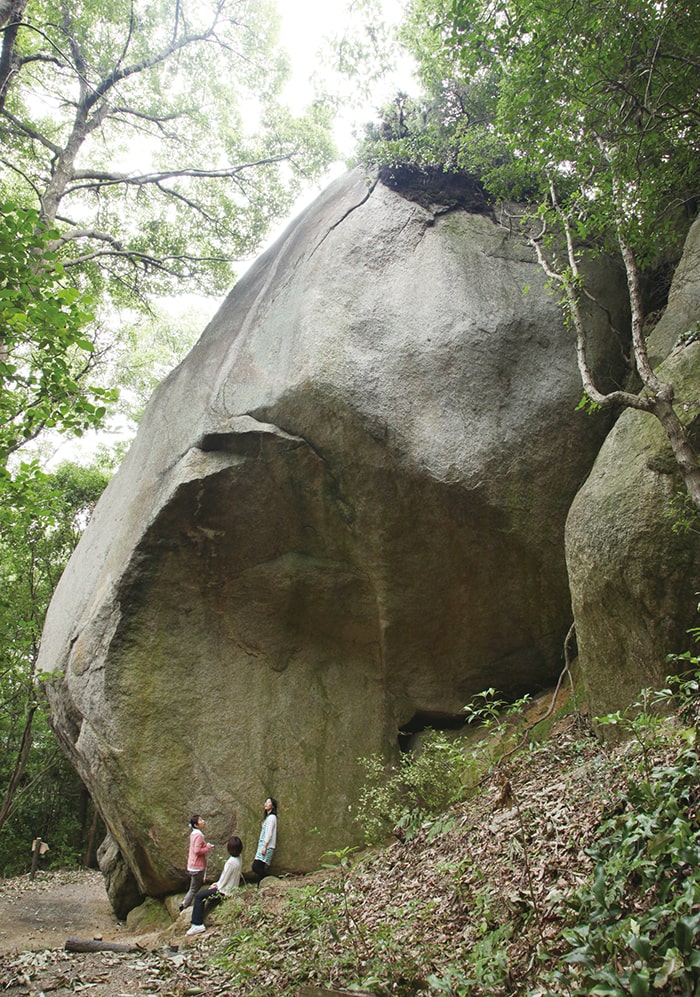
(342, 517)
(634, 575)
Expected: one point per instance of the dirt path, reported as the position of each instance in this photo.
(44, 913)
(37, 918)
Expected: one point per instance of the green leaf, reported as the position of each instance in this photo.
(638, 984)
(642, 946)
(685, 931)
(672, 965)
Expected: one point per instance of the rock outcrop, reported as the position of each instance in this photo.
(342, 517)
(634, 575)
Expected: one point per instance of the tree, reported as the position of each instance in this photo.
(148, 348)
(591, 110)
(41, 519)
(145, 145)
(45, 353)
(151, 134)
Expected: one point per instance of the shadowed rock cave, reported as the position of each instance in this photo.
(427, 720)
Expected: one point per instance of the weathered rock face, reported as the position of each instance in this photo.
(344, 512)
(120, 882)
(634, 580)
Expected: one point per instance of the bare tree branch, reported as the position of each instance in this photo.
(155, 262)
(94, 100)
(142, 179)
(84, 233)
(27, 179)
(32, 133)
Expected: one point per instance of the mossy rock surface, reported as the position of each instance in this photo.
(149, 916)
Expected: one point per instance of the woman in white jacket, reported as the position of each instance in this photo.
(267, 841)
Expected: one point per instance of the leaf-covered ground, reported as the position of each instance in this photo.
(36, 919)
(490, 875)
(485, 886)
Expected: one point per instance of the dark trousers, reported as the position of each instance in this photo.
(212, 895)
(260, 869)
(196, 880)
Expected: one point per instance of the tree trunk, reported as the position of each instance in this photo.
(683, 451)
(662, 393)
(11, 12)
(657, 398)
(20, 765)
(90, 840)
(36, 855)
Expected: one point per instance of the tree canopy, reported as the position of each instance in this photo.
(592, 97)
(41, 518)
(152, 135)
(146, 148)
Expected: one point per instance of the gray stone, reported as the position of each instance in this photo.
(120, 882)
(152, 915)
(635, 578)
(343, 511)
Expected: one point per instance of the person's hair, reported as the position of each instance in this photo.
(234, 846)
(273, 801)
(194, 820)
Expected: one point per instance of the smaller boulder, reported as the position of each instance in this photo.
(634, 571)
(151, 915)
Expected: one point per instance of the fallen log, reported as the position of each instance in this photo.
(97, 945)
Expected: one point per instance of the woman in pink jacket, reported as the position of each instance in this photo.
(196, 858)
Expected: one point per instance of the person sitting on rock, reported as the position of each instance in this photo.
(223, 887)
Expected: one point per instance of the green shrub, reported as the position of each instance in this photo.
(485, 971)
(633, 928)
(443, 770)
(420, 786)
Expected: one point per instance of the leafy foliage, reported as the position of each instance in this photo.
(442, 769)
(587, 96)
(634, 926)
(418, 788)
(41, 520)
(45, 352)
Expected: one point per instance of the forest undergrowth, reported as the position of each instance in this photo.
(544, 855)
(562, 864)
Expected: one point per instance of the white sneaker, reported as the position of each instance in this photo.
(195, 929)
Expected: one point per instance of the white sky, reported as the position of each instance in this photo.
(305, 25)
